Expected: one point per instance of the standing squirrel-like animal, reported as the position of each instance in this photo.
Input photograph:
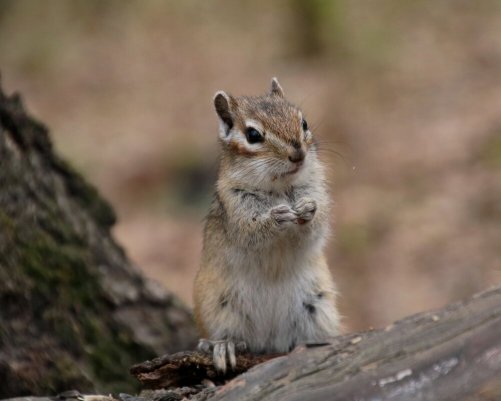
(264, 284)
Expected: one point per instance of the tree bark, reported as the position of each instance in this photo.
(74, 311)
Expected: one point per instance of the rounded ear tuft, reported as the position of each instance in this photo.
(223, 110)
(276, 89)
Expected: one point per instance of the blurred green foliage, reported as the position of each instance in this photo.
(490, 153)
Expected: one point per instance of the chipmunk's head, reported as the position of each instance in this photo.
(265, 139)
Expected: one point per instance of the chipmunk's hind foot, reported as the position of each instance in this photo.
(223, 352)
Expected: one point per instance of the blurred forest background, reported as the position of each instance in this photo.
(404, 96)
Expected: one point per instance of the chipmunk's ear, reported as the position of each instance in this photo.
(276, 89)
(223, 104)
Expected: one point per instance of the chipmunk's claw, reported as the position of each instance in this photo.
(223, 352)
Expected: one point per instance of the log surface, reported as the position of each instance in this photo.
(449, 354)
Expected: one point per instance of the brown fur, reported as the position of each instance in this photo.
(263, 277)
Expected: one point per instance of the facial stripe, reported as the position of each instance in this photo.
(242, 149)
(254, 124)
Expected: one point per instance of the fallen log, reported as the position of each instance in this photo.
(449, 354)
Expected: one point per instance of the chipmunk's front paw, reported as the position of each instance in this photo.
(305, 209)
(223, 352)
(283, 214)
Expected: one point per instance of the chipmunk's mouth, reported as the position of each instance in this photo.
(288, 173)
(294, 170)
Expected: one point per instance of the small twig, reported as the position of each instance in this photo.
(190, 368)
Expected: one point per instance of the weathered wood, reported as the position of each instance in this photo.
(449, 354)
(190, 368)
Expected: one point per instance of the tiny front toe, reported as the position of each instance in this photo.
(219, 357)
(232, 359)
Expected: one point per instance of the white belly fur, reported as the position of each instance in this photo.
(273, 312)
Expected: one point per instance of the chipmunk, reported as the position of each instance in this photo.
(264, 284)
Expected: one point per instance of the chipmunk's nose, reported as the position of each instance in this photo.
(297, 155)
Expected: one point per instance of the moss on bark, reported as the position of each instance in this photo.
(64, 282)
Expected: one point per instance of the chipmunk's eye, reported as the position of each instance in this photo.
(253, 135)
(305, 125)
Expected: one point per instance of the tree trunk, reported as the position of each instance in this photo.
(74, 312)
